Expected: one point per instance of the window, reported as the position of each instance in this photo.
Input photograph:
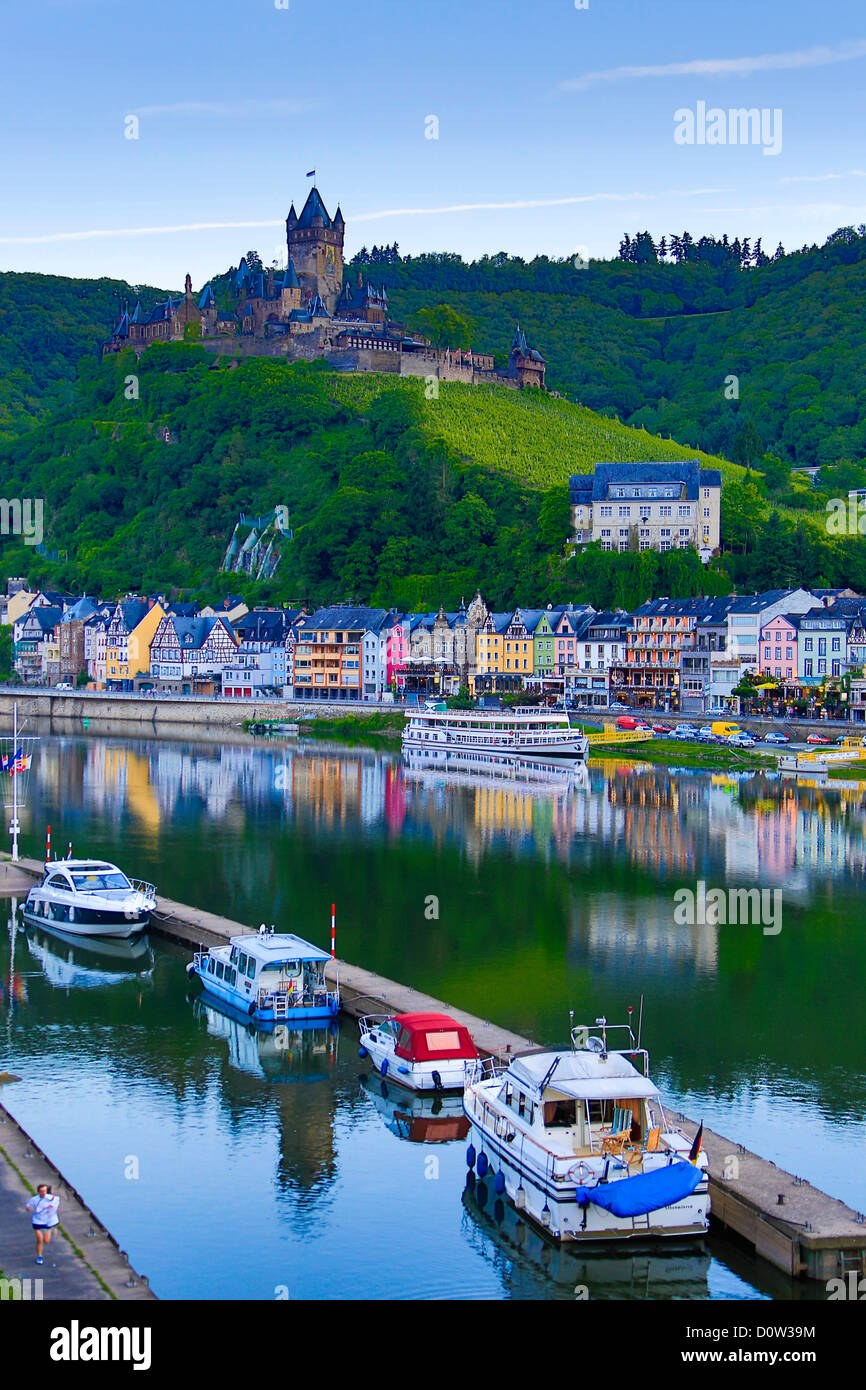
(807, 668)
(645, 512)
(606, 511)
(625, 511)
(684, 511)
(665, 531)
(822, 668)
(706, 511)
(766, 653)
(666, 511)
(822, 646)
(807, 644)
(835, 646)
(787, 653)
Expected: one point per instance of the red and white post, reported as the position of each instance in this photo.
(48, 845)
(333, 932)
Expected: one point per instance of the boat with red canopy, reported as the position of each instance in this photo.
(425, 1051)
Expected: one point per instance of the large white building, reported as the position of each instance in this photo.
(647, 506)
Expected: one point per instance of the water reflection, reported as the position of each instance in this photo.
(418, 1119)
(304, 1051)
(76, 962)
(529, 1262)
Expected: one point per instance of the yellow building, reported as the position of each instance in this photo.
(490, 644)
(130, 634)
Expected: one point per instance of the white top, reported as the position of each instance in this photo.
(44, 1210)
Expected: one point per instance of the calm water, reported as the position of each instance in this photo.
(235, 1163)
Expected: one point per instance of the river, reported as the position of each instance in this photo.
(231, 1163)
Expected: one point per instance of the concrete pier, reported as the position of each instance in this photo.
(806, 1234)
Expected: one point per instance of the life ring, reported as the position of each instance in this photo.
(579, 1173)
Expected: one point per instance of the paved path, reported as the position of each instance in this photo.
(84, 1266)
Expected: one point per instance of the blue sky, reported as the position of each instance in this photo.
(555, 126)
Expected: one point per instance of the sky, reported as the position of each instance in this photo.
(473, 126)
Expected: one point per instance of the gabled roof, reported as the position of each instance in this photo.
(46, 617)
(206, 298)
(346, 616)
(593, 487)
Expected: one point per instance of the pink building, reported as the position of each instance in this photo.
(394, 649)
(778, 649)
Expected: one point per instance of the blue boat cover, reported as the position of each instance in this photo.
(646, 1192)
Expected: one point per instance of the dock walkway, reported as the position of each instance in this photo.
(807, 1233)
(82, 1262)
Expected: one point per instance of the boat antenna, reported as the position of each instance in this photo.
(640, 1022)
(571, 1027)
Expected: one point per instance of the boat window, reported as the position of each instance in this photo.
(87, 882)
(211, 966)
(58, 881)
(405, 1039)
(220, 969)
(521, 1103)
(233, 954)
(559, 1114)
(242, 963)
(443, 1041)
(251, 966)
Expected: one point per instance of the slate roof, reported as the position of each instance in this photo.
(594, 487)
(313, 207)
(346, 616)
(46, 617)
(81, 610)
(262, 625)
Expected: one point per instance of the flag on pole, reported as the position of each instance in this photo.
(311, 173)
(696, 1144)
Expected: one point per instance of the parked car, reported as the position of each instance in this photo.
(63, 685)
(775, 737)
(617, 704)
(688, 731)
(817, 738)
(662, 728)
(706, 731)
(741, 741)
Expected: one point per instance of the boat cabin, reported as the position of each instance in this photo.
(431, 1038)
(84, 876)
(268, 963)
(584, 1104)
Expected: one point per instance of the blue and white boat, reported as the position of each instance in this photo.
(579, 1142)
(270, 976)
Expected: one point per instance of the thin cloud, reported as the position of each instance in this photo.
(251, 107)
(515, 204)
(818, 56)
(824, 178)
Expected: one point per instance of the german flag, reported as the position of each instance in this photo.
(696, 1144)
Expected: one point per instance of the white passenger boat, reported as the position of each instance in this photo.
(580, 1143)
(89, 897)
(426, 1052)
(523, 732)
(271, 977)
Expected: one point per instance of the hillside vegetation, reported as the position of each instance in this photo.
(393, 499)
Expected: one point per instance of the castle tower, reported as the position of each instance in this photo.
(315, 244)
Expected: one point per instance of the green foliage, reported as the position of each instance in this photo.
(444, 327)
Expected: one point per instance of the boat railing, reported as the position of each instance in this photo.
(483, 1069)
(367, 1022)
(146, 889)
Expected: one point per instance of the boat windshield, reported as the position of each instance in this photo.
(93, 882)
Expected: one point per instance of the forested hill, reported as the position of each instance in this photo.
(47, 324)
(651, 337)
(393, 499)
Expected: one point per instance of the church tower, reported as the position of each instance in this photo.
(315, 245)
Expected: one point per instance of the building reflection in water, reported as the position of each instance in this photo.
(672, 824)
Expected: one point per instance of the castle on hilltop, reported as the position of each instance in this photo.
(309, 311)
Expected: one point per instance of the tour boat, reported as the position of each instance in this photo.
(89, 897)
(426, 1052)
(270, 976)
(579, 1142)
(522, 732)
